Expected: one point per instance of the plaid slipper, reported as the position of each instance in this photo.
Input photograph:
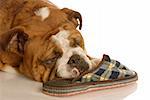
(109, 74)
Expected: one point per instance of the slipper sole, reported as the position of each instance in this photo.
(80, 88)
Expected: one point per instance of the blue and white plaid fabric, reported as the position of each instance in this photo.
(108, 70)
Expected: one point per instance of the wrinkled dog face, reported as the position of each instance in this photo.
(74, 59)
(61, 53)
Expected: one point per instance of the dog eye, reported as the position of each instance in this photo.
(49, 61)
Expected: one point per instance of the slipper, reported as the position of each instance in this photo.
(109, 74)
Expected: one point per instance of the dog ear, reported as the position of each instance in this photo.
(13, 40)
(73, 16)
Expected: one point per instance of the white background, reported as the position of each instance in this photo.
(120, 28)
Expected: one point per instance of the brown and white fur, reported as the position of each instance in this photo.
(38, 40)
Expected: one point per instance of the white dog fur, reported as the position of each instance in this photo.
(43, 12)
(61, 39)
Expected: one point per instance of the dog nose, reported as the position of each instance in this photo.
(76, 61)
(75, 72)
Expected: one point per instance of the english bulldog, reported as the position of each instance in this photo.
(42, 41)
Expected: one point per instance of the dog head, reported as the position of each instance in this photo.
(60, 53)
(63, 46)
